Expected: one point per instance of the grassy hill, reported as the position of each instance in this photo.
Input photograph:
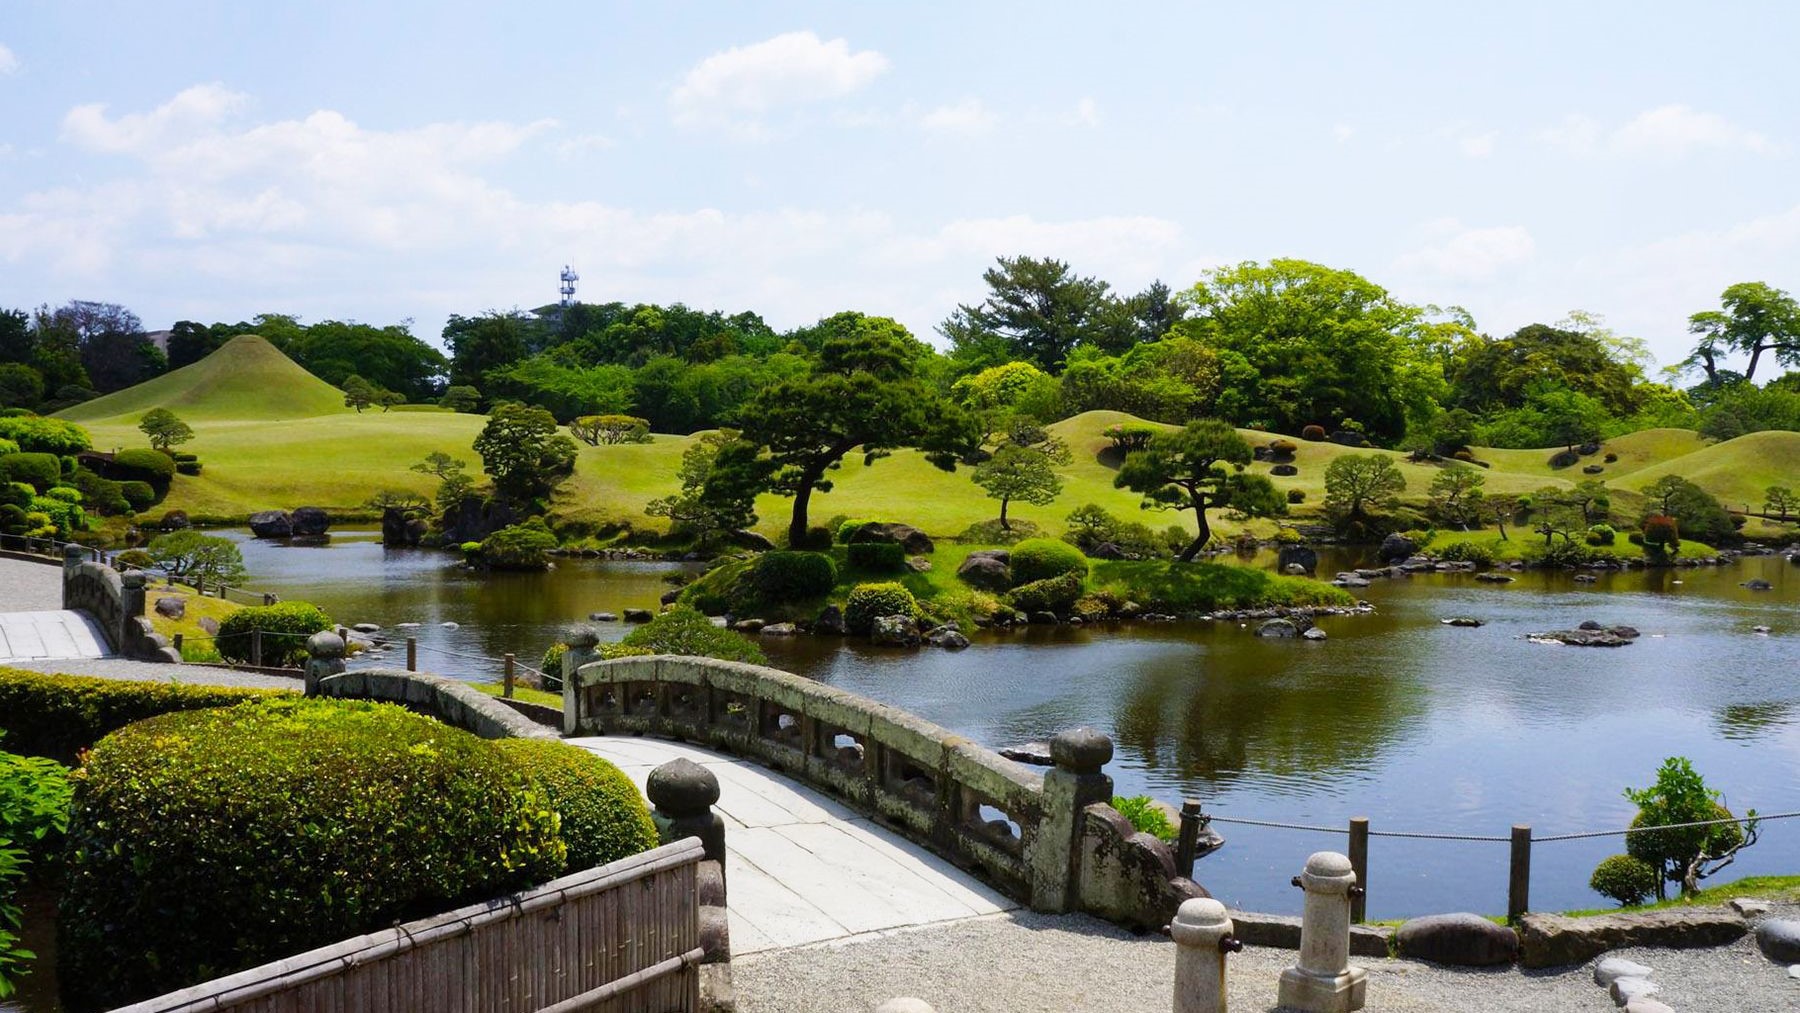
(272, 435)
(247, 379)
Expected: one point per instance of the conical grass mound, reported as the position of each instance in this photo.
(247, 379)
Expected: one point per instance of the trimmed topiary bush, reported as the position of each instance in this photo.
(1053, 594)
(604, 818)
(1660, 531)
(13, 520)
(1314, 433)
(683, 630)
(1601, 534)
(881, 557)
(1041, 558)
(19, 494)
(189, 468)
(41, 434)
(1283, 448)
(1296, 495)
(138, 465)
(1625, 879)
(285, 627)
(1467, 552)
(209, 841)
(138, 495)
(519, 547)
(551, 664)
(781, 577)
(868, 602)
(40, 471)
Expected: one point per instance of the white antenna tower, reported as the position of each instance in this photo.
(569, 278)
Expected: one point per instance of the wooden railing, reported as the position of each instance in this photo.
(623, 936)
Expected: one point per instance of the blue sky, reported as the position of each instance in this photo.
(216, 160)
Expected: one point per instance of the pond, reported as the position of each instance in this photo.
(1419, 726)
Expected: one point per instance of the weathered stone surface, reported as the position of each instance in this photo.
(1593, 469)
(682, 787)
(830, 620)
(1302, 556)
(1313, 633)
(1779, 940)
(1044, 619)
(983, 571)
(400, 530)
(1618, 636)
(748, 625)
(310, 521)
(1283, 932)
(916, 542)
(1608, 969)
(905, 1004)
(1278, 628)
(325, 644)
(173, 608)
(1081, 750)
(1350, 580)
(780, 630)
(670, 597)
(209, 625)
(1397, 547)
(1628, 990)
(1468, 621)
(1749, 907)
(1284, 470)
(603, 617)
(638, 615)
(1646, 1004)
(1547, 940)
(895, 631)
(271, 524)
(947, 636)
(1758, 584)
(1035, 753)
(1491, 577)
(1462, 939)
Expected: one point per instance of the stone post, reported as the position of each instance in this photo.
(683, 793)
(1202, 935)
(1323, 981)
(72, 556)
(582, 641)
(1075, 783)
(324, 657)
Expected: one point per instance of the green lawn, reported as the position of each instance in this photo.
(1776, 888)
(1518, 540)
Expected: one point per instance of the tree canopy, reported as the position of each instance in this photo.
(1187, 469)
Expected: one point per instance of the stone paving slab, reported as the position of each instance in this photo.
(60, 633)
(802, 868)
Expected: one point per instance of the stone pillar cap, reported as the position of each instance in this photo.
(682, 787)
(1200, 921)
(582, 637)
(1328, 872)
(73, 551)
(1082, 750)
(325, 644)
(135, 578)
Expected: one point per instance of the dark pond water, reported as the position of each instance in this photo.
(1416, 725)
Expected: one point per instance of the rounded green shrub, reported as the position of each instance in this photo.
(604, 818)
(1284, 448)
(551, 664)
(8, 446)
(285, 627)
(519, 546)
(1315, 434)
(19, 494)
(64, 493)
(684, 630)
(1467, 552)
(1625, 879)
(133, 559)
(40, 471)
(781, 577)
(140, 465)
(204, 842)
(878, 557)
(139, 495)
(189, 468)
(1601, 534)
(13, 519)
(868, 602)
(1042, 558)
(850, 527)
(40, 434)
(1296, 495)
(1052, 594)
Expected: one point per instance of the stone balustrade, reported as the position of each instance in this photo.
(1050, 840)
(116, 602)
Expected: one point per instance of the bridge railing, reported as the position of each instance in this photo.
(1050, 840)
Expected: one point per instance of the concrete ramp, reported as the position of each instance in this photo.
(801, 868)
(50, 635)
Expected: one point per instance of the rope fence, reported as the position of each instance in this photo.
(1193, 820)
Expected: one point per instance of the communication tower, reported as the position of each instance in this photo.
(569, 278)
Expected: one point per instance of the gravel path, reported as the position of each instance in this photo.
(1025, 961)
(149, 671)
(29, 587)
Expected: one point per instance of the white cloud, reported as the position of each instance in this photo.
(193, 110)
(1086, 114)
(1668, 131)
(1461, 254)
(1342, 132)
(1478, 145)
(740, 86)
(969, 116)
(9, 64)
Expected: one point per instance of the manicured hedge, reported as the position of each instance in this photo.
(139, 465)
(683, 630)
(519, 547)
(40, 434)
(779, 577)
(604, 818)
(60, 715)
(1042, 558)
(284, 627)
(209, 841)
(1052, 594)
(869, 602)
(881, 557)
(140, 495)
(40, 471)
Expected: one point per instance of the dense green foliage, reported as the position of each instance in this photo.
(1041, 558)
(34, 812)
(1684, 855)
(792, 576)
(1186, 469)
(138, 465)
(45, 435)
(684, 630)
(208, 841)
(1051, 594)
(284, 627)
(59, 715)
(869, 602)
(603, 817)
(1699, 514)
(876, 557)
(1624, 878)
(1146, 816)
(41, 471)
(518, 547)
(196, 558)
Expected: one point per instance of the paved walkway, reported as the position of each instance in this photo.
(58, 633)
(801, 868)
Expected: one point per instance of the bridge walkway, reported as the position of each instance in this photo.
(33, 624)
(802, 868)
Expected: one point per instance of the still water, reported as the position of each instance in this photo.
(1416, 725)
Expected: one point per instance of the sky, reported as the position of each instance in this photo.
(407, 161)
